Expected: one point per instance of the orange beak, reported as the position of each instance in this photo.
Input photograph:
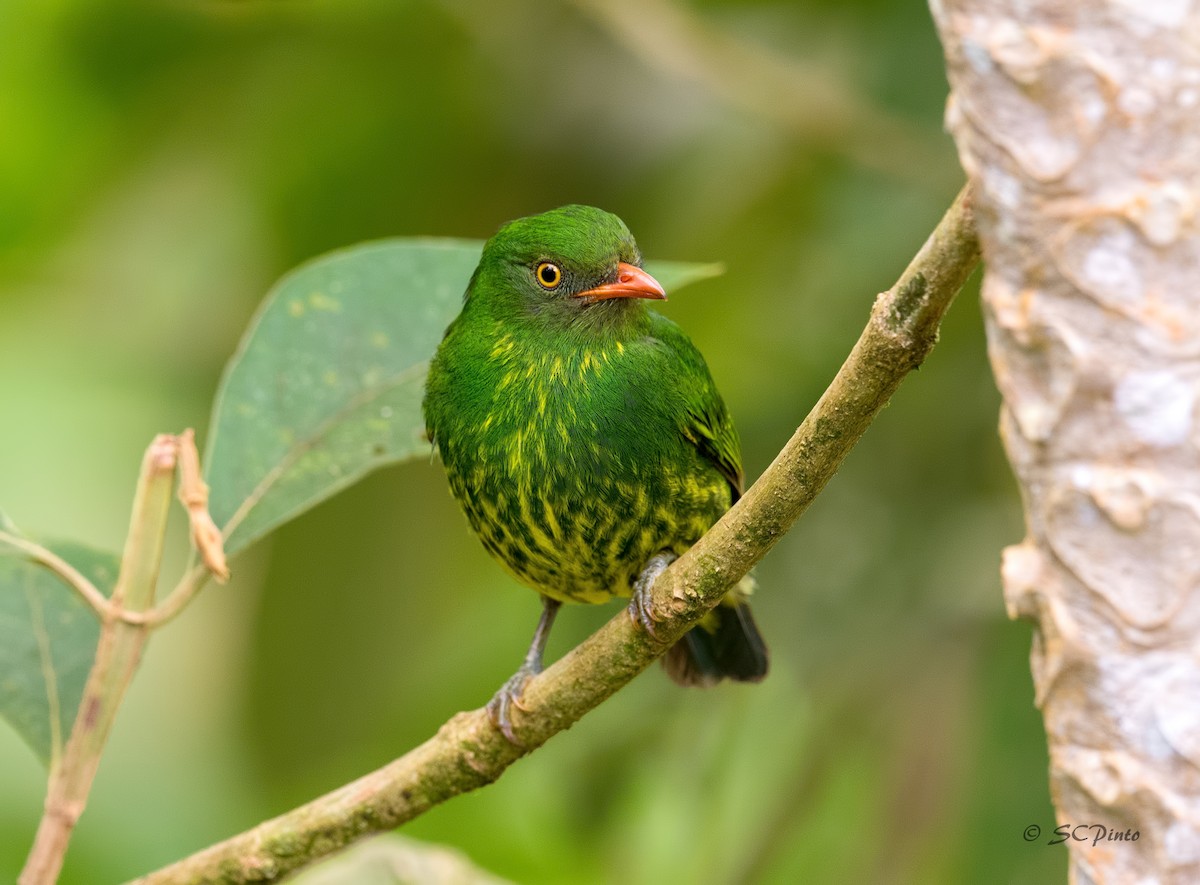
(632, 282)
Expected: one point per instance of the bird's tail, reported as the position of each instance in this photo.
(726, 644)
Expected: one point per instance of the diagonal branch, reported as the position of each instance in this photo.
(468, 752)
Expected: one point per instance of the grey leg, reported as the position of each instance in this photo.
(500, 706)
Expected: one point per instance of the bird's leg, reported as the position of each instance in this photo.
(509, 695)
(639, 603)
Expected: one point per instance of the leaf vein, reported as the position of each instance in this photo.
(49, 676)
(306, 444)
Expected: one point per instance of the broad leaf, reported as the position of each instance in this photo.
(48, 639)
(327, 383)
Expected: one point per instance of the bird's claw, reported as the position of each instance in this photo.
(640, 609)
(499, 708)
(639, 612)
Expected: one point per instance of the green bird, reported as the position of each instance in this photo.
(584, 437)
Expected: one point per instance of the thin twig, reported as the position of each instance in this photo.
(468, 752)
(183, 593)
(117, 656)
(70, 575)
(193, 494)
(207, 542)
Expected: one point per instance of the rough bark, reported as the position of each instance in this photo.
(1077, 123)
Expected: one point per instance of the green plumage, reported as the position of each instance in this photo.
(584, 436)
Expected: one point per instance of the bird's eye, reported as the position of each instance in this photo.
(548, 275)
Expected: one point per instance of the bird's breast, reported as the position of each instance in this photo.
(573, 476)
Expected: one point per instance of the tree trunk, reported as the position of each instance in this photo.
(1079, 125)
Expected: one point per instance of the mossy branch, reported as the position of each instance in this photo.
(469, 752)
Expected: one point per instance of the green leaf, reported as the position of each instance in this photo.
(674, 275)
(48, 639)
(326, 385)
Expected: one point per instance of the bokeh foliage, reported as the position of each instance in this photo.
(164, 163)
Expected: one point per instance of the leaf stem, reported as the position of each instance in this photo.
(177, 600)
(117, 655)
(468, 751)
(70, 575)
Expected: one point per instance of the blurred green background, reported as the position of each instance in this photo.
(162, 163)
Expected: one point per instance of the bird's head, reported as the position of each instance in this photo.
(565, 264)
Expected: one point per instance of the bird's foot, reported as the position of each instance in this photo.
(639, 604)
(501, 705)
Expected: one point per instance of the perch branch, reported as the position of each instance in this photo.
(468, 751)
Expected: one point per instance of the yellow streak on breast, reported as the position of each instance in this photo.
(588, 363)
(516, 443)
(501, 347)
(544, 541)
(551, 520)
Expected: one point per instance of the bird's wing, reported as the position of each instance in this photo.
(711, 431)
(705, 421)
